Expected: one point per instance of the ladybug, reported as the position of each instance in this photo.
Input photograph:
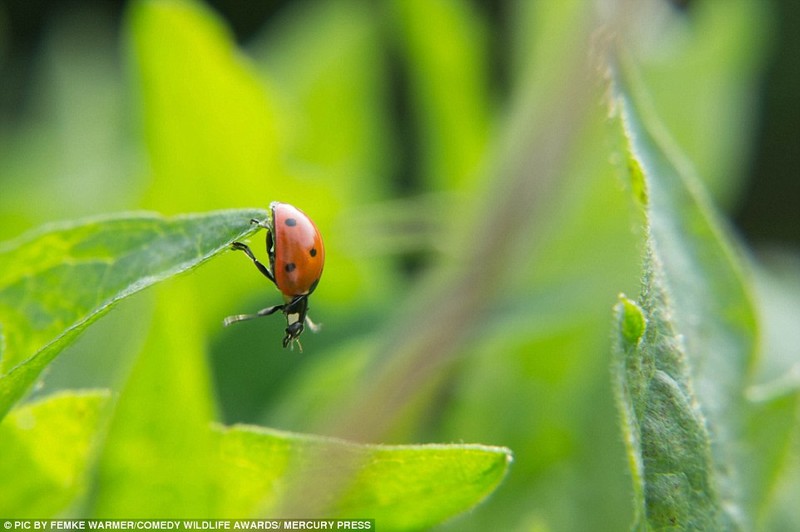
(296, 258)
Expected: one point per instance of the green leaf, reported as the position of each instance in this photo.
(401, 487)
(209, 122)
(445, 47)
(258, 471)
(681, 388)
(57, 280)
(46, 448)
(158, 459)
(668, 445)
(161, 460)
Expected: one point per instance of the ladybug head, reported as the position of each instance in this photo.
(293, 332)
(295, 312)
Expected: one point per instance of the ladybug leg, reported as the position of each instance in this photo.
(261, 223)
(242, 317)
(263, 269)
(289, 342)
(313, 327)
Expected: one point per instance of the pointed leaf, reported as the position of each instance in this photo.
(681, 387)
(402, 487)
(59, 279)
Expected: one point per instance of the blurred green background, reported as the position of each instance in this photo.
(477, 233)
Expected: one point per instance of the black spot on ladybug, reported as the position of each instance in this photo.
(313, 252)
(291, 222)
(289, 267)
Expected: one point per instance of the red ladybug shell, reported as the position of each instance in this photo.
(298, 253)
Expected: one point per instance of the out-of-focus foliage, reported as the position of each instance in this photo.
(483, 204)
